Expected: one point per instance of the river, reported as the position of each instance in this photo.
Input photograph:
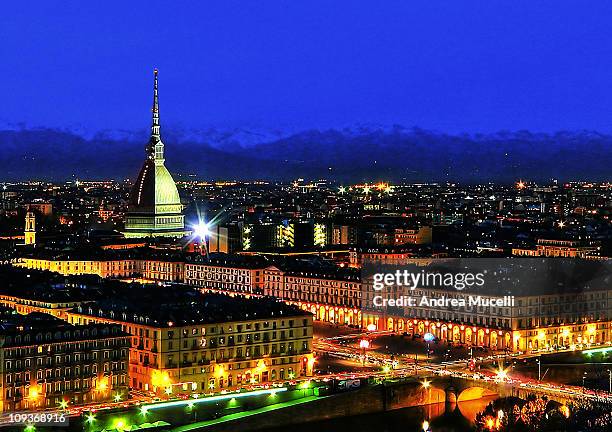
(452, 418)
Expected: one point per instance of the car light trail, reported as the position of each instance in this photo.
(227, 396)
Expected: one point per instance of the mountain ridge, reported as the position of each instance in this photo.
(358, 153)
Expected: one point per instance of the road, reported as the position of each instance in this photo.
(403, 365)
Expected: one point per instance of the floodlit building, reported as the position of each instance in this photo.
(203, 343)
(561, 248)
(155, 208)
(530, 311)
(48, 363)
(30, 228)
(230, 273)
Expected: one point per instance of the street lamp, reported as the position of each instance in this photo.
(428, 338)
(426, 426)
(501, 374)
(539, 369)
(583, 378)
(364, 344)
(610, 382)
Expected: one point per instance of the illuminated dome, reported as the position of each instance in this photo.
(154, 187)
(155, 208)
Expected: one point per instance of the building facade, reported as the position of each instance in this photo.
(561, 249)
(530, 321)
(45, 363)
(190, 355)
(165, 270)
(30, 228)
(331, 296)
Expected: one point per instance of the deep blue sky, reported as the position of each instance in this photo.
(451, 66)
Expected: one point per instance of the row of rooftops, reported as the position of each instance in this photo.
(145, 304)
(39, 328)
(90, 253)
(152, 310)
(299, 266)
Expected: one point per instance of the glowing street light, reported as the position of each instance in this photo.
(371, 327)
(426, 426)
(426, 384)
(364, 344)
(102, 384)
(33, 394)
(90, 418)
(202, 231)
(501, 374)
(428, 337)
(564, 410)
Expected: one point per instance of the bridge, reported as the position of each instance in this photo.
(452, 389)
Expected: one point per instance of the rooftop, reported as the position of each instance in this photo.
(36, 328)
(89, 253)
(181, 305)
(51, 287)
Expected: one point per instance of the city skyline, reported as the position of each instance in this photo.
(344, 216)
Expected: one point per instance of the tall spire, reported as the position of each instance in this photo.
(155, 124)
(155, 148)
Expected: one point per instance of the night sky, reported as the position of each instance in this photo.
(451, 66)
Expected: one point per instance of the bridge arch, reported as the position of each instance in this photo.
(472, 393)
(433, 395)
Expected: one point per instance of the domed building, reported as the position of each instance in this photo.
(155, 208)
